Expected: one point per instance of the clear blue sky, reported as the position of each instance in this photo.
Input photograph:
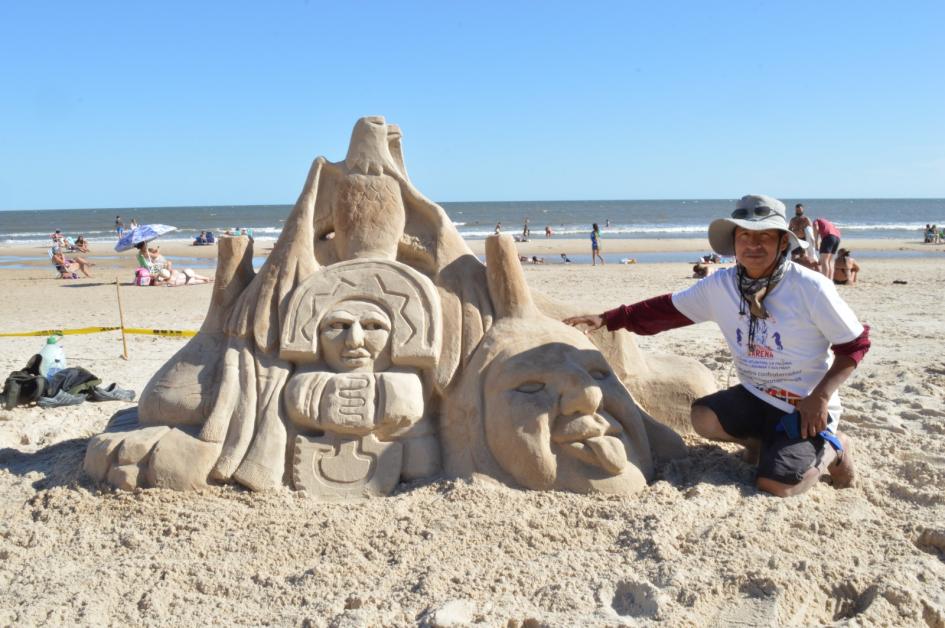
(177, 103)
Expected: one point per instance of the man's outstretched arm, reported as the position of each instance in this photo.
(644, 317)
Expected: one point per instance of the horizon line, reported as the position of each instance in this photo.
(582, 200)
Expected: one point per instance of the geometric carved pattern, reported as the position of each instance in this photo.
(408, 297)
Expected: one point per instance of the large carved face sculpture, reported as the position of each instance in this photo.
(556, 417)
(363, 316)
(537, 405)
(355, 337)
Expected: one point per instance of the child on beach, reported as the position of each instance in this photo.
(595, 246)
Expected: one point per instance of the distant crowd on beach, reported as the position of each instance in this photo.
(823, 252)
(934, 235)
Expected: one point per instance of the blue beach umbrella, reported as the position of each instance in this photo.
(141, 233)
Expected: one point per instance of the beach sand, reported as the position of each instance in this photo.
(698, 547)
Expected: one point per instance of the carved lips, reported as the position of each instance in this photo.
(356, 357)
(593, 439)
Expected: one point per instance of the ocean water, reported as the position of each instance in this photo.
(902, 219)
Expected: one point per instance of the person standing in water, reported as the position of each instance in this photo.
(595, 246)
(119, 226)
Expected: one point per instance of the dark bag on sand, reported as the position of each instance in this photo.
(24, 387)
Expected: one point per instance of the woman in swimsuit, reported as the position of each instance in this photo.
(845, 269)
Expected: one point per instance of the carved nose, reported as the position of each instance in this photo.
(355, 335)
(582, 395)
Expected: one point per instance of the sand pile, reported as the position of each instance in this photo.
(698, 547)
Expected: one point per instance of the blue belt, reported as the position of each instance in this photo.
(790, 424)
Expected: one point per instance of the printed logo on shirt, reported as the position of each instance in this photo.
(761, 349)
(783, 395)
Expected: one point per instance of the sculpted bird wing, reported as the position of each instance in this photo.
(259, 310)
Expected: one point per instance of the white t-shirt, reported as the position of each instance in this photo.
(792, 346)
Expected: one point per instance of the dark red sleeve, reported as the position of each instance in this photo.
(646, 317)
(855, 349)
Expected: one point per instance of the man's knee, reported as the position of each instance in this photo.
(780, 489)
(705, 422)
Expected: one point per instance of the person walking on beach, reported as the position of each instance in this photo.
(525, 231)
(827, 238)
(119, 226)
(798, 226)
(595, 246)
(780, 321)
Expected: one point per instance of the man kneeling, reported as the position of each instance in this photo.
(780, 321)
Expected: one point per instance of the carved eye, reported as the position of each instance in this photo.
(531, 387)
(339, 325)
(373, 325)
(600, 374)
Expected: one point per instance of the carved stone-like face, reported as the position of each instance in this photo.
(555, 415)
(354, 337)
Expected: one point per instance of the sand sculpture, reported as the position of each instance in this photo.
(373, 347)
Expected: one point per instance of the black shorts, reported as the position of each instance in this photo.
(829, 244)
(743, 415)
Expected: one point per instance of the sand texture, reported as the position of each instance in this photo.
(700, 546)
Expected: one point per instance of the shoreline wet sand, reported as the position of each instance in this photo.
(649, 249)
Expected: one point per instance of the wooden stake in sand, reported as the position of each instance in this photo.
(121, 317)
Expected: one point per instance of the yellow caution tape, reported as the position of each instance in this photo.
(185, 333)
(62, 332)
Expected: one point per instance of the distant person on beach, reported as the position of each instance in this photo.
(81, 244)
(526, 232)
(701, 270)
(173, 278)
(498, 227)
(201, 239)
(827, 238)
(133, 224)
(548, 231)
(798, 226)
(780, 322)
(845, 269)
(67, 266)
(565, 259)
(119, 226)
(933, 235)
(595, 246)
(151, 258)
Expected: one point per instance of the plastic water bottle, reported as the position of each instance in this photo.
(53, 357)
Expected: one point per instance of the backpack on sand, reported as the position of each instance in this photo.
(24, 387)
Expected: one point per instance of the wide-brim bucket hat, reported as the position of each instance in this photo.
(755, 212)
